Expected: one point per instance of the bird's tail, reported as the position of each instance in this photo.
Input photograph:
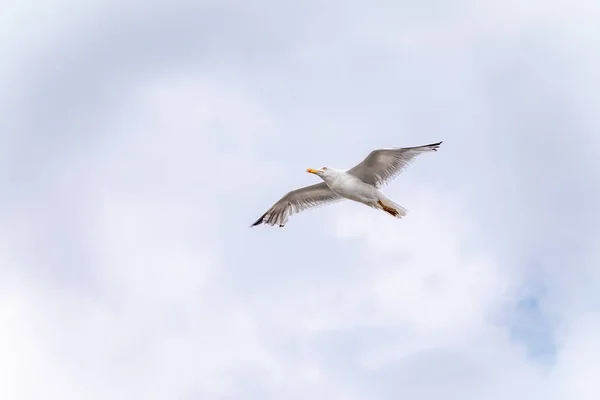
(395, 210)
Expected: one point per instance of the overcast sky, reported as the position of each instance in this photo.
(138, 141)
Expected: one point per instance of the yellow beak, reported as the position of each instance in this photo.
(313, 171)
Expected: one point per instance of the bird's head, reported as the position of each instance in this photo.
(323, 172)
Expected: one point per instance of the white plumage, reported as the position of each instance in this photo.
(360, 183)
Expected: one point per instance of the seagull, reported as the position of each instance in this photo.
(360, 183)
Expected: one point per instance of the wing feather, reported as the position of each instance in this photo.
(297, 201)
(383, 165)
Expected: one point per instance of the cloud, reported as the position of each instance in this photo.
(139, 142)
(149, 264)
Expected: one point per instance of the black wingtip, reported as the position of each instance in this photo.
(434, 145)
(259, 221)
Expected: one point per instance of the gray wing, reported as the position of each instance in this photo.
(296, 201)
(382, 165)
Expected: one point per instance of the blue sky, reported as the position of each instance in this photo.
(139, 140)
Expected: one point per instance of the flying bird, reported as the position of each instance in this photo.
(360, 183)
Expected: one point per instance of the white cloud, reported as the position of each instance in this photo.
(579, 359)
(145, 216)
(128, 270)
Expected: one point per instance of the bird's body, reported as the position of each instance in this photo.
(350, 187)
(360, 183)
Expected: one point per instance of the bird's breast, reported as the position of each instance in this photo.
(351, 188)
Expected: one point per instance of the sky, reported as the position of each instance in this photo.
(139, 140)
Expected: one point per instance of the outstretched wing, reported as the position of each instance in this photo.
(296, 201)
(382, 165)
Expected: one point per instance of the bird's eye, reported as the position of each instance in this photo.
(324, 168)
